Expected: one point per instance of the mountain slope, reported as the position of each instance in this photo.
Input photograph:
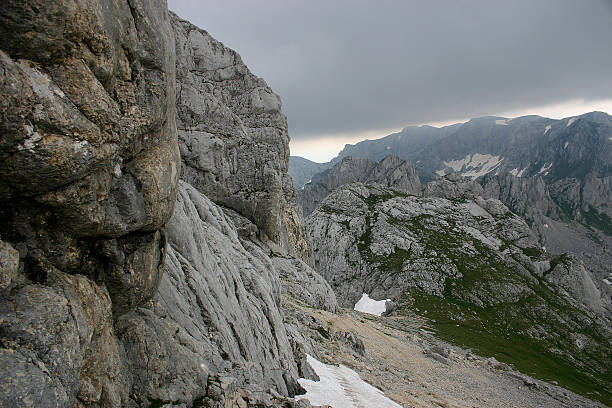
(390, 172)
(473, 268)
(301, 170)
(406, 144)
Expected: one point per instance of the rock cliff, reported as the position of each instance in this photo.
(233, 137)
(90, 166)
(120, 286)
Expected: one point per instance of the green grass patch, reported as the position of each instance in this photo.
(599, 220)
(501, 332)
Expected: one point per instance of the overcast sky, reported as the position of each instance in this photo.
(350, 69)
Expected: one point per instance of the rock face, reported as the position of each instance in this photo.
(391, 172)
(216, 314)
(90, 166)
(469, 264)
(233, 137)
(107, 299)
(89, 148)
(562, 221)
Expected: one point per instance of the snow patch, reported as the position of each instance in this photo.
(441, 172)
(565, 145)
(569, 122)
(475, 166)
(489, 241)
(502, 122)
(371, 306)
(545, 168)
(341, 387)
(516, 173)
(388, 147)
(476, 210)
(547, 129)
(458, 165)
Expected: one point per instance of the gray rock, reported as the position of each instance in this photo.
(58, 346)
(9, 265)
(216, 312)
(369, 239)
(569, 273)
(391, 172)
(233, 137)
(300, 281)
(453, 254)
(88, 147)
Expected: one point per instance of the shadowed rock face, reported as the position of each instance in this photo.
(89, 149)
(88, 179)
(233, 137)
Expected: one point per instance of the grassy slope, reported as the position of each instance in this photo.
(533, 332)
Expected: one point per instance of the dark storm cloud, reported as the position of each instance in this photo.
(343, 66)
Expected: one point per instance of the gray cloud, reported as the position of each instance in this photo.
(344, 66)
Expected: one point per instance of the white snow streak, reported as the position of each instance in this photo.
(545, 168)
(476, 210)
(489, 241)
(371, 306)
(341, 387)
(569, 122)
(565, 145)
(476, 165)
(547, 129)
(502, 122)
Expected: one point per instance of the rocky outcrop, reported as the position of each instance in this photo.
(108, 298)
(370, 239)
(216, 315)
(528, 197)
(391, 172)
(233, 137)
(467, 263)
(564, 222)
(90, 166)
(89, 148)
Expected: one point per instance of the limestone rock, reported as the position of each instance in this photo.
(301, 282)
(391, 172)
(88, 146)
(466, 260)
(59, 347)
(9, 265)
(216, 312)
(233, 137)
